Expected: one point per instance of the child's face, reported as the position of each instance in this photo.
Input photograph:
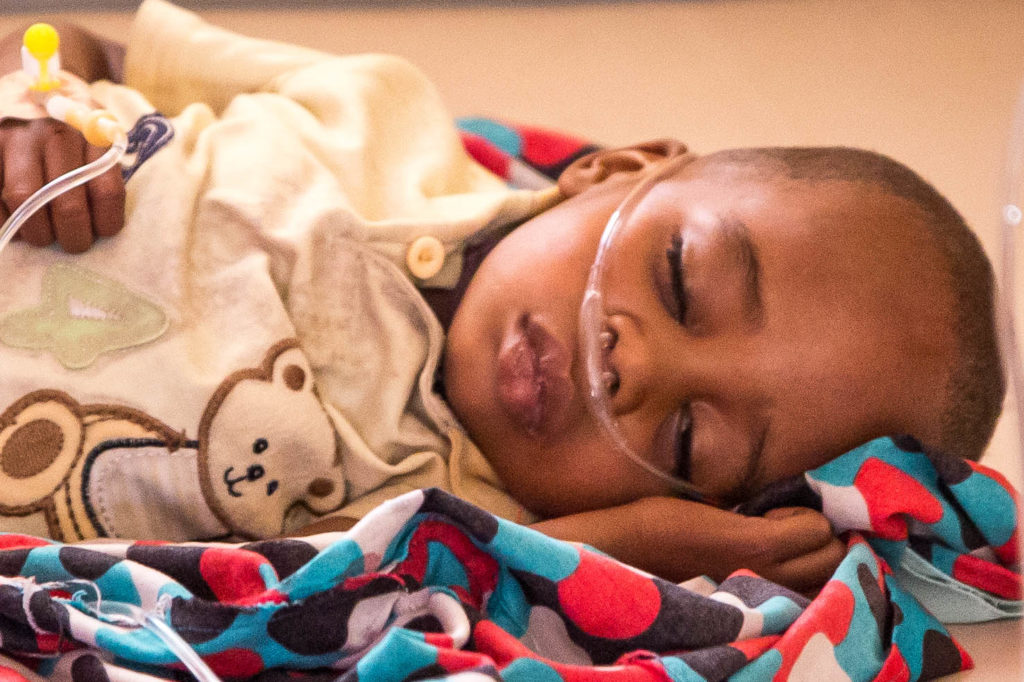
(817, 318)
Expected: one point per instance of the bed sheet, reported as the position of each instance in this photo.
(430, 587)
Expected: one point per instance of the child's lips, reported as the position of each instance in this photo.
(534, 386)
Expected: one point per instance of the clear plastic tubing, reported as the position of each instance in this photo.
(129, 615)
(55, 188)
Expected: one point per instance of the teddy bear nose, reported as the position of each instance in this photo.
(321, 487)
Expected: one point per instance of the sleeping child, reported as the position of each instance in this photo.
(319, 301)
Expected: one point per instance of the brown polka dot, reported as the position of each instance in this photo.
(31, 448)
(294, 377)
(321, 487)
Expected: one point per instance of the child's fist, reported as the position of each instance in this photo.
(32, 153)
(794, 546)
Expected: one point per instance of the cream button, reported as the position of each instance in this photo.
(425, 257)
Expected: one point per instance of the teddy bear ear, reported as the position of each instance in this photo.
(291, 370)
(40, 441)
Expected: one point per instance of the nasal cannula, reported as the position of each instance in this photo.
(41, 62)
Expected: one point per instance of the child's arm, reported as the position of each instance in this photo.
(678, 539)
(35, 152)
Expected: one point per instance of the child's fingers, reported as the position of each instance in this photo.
(801, 530)
(106, 197)
(22, 176)
(809, 572)
(64, 151)
(787, 512)
(811, 552)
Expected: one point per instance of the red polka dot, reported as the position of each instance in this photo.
(498, 644)
(15, 541)
(891, 494)
(1009, 553)
(895, 667)
(235, 663)
(233, 574)
(830, 614)
(605, 599)
(501, 647)
(47, 642)
(480, 567)
(268, 597)
(486, 154)
(438, 639)
(966, 662)
(544, 148)
(987, 576)
(752, 648)
(453, 660)
(8, 675)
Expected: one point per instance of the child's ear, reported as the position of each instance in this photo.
(621, 163)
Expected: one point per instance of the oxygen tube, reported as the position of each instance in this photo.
(41, 61)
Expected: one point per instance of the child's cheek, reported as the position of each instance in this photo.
(720, 451)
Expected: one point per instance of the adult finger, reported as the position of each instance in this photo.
(106, 197)
(64, 151)
(23, 175)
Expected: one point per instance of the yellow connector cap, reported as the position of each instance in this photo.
(40, 44)
(42, 41)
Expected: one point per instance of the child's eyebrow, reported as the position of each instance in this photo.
(737, 241)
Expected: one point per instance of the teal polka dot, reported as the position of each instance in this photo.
(521, 548)
(396, 657)
(779, 613)
(678, 670)
(530, 670)
(508, 607)
(43, 563)
(761, 668)
(502, 137)
(342, 559)
(990, 505)
(444, 568)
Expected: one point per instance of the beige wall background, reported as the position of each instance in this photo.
(929, 82)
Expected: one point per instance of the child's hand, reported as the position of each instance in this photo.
(793, 546)
(35, 152)
(679, 539)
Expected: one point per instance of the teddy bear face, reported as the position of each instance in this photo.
(266, 445)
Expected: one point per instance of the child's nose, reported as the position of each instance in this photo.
(653, 364)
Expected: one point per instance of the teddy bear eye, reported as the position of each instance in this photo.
(260, 445)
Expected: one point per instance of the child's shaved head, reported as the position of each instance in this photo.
(976, 385)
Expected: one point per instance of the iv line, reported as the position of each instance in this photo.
(41, 61)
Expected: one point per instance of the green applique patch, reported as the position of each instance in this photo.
(82, 315)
